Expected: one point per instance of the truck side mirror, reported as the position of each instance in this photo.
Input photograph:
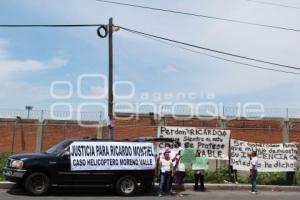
(66, 155)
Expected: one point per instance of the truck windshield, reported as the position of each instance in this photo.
(58, 148)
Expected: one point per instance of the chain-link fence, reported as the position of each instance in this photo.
(175, 110)
(54, 115)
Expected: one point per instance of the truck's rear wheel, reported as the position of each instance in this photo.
(126, 186)
(37, 183)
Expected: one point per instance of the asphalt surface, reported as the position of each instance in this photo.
(80, 193)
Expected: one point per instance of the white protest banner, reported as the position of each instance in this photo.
(271, 157)
(213, 143)
(112, 156)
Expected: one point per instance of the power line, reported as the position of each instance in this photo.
(165, 39)
(274, 4)
(47, 25)
(219, 58)
(208, 49)
(200, 15)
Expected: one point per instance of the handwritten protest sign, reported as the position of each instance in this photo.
(112, 156)
(271, 157)
(200, 163)
(213, 143)
(188, 155)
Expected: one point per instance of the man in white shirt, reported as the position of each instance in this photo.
(253, 171)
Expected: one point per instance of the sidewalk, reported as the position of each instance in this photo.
(6, 185)
(246, 187)
(211, 187)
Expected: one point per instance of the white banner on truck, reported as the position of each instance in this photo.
(214, 143)
(271, 157)
(112, 156)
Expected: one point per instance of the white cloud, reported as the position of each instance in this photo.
(16, 92)
(56, 62)
(8, 67)
(98, 90)
(201, 73)
(11, 66)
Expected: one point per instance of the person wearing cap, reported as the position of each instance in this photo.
(166, 167)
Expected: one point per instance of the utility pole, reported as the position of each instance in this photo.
(110, 79)
(108, 30)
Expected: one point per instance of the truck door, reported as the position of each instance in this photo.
(68, 177)
(64, 173)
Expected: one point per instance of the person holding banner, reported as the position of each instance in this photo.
(253, 171)
(233, 177)
(180, 174)
(166, 167)
(199, 166)
(173, 155)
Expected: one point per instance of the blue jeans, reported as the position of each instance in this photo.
(164, 183)
(253, 181)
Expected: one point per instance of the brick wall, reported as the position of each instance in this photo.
(56, 131)
(294, 134)
(17, 137)
(24, 132)
(259, 131)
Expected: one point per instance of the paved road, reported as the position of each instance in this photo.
(96, 194)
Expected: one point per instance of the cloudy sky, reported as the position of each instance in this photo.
(32, 59)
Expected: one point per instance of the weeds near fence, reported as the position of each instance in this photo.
(264, 178)
(3, 160)
(298, 177)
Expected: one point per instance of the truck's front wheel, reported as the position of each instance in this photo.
(37, 183)
(126, 186)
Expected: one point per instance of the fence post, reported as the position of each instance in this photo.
(286, 125)
(100, 127)
(13, 137)
(39, 135)
(162, 120)
(65, 126)
(42, 114)
(100, 130)
(270, 132)
(222, 121)
(285, 130)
